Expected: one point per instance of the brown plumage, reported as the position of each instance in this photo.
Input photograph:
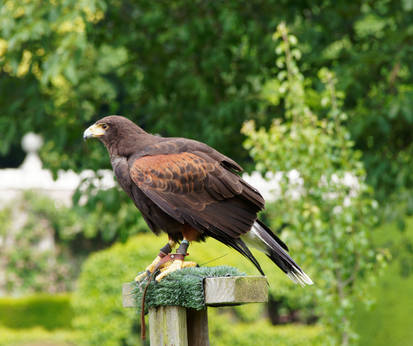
(187, 189)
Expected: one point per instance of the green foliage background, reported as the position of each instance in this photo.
(195, 69)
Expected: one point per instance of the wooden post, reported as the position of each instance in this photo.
(168, 326)
(175, 325)
(197, 324)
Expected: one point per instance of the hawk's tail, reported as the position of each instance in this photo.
(262, 238)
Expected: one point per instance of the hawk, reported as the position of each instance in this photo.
(190, 191)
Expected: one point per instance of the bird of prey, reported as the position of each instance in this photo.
(190, 191)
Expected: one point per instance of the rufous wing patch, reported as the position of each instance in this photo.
(178, 173)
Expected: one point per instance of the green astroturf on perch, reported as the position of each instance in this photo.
(181, 288)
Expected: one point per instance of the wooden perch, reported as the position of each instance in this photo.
(178, 326)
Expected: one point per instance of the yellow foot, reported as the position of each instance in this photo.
(149, 270)
(172, 266)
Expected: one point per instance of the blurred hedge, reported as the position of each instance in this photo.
(223, 331)
(49, 312)
(102, 320)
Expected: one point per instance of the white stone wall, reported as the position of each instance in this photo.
(31, 176)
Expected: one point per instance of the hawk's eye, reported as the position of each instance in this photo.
(104, 126)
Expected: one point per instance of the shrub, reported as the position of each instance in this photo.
(260, 333)
(33, 259)
(322, 194)
(49, 312)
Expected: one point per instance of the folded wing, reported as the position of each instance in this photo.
(196, 189)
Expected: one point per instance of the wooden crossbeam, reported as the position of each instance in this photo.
(221, 291)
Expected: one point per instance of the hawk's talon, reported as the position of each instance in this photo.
(175, 265)
(149, 270)
(141, 277)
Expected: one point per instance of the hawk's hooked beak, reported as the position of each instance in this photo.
(93, 131)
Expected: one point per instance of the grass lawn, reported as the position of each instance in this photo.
(389, 321)
(37, 336)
